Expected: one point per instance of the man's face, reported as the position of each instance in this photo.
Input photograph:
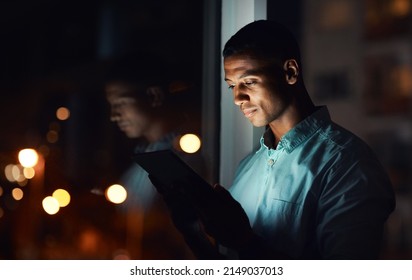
(126, 111)
(256, 88)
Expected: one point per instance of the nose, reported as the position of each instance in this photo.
(239, 95)
(114, 115)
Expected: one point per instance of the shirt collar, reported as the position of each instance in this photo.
(302, 131)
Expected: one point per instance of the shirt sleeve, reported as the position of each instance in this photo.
(354, 204)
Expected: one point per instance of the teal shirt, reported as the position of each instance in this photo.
(320, 194)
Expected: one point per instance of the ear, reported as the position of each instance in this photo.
(156, 96)
(291, 68)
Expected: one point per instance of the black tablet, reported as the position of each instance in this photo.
(167, 167)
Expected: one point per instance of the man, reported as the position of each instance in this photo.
(313, 190)
(138, 93)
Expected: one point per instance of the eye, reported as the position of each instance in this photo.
(122, 103)
(231, 86)
(250, 83)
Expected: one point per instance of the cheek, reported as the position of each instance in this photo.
(264, 98)
(131, 112)
(271, 103)
(139, 118)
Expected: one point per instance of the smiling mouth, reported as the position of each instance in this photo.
(249, 112)
(123, 126)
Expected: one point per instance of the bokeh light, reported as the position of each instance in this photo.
(14, 173)
(50, 205)
(116, 194)
(8, 172)
(400, 8)
(52, 136)
(28, 157)
(17, 193)
(190, 143)
(62, 196)
(63, 113)
(29, 172)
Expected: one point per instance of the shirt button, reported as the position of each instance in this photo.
(271, 162)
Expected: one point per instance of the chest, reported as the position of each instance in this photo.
(274, 188)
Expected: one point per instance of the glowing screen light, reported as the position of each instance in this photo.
(116, 194)
(190, 143)
(50, 205)
(62, 196)
(28, 157)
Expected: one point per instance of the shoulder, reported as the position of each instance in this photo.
(352, 165)
(342, 144)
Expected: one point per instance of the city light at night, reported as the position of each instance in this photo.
(62, 113)
(28, 157)
(190, 143)
(62, 196)
(17, 193)
(116, 194)
(50, 205)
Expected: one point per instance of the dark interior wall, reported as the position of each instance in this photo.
(288, 13)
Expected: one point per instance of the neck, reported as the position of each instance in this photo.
(299, 109)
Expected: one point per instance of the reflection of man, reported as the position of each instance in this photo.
(138, 100)
(312, 190)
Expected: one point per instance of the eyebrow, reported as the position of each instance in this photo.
(251, 72)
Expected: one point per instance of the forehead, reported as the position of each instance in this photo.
(243, 62)
(244, 57)
(120, 90)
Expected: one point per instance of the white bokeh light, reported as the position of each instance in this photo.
(28, 157)
(190, 143)
(50, 205)
(116, 194)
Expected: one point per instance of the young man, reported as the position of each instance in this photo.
(313, 190)
(138, 93)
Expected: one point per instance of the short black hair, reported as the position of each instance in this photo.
(266, 39)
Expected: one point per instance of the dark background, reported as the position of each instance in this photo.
(55, 53)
